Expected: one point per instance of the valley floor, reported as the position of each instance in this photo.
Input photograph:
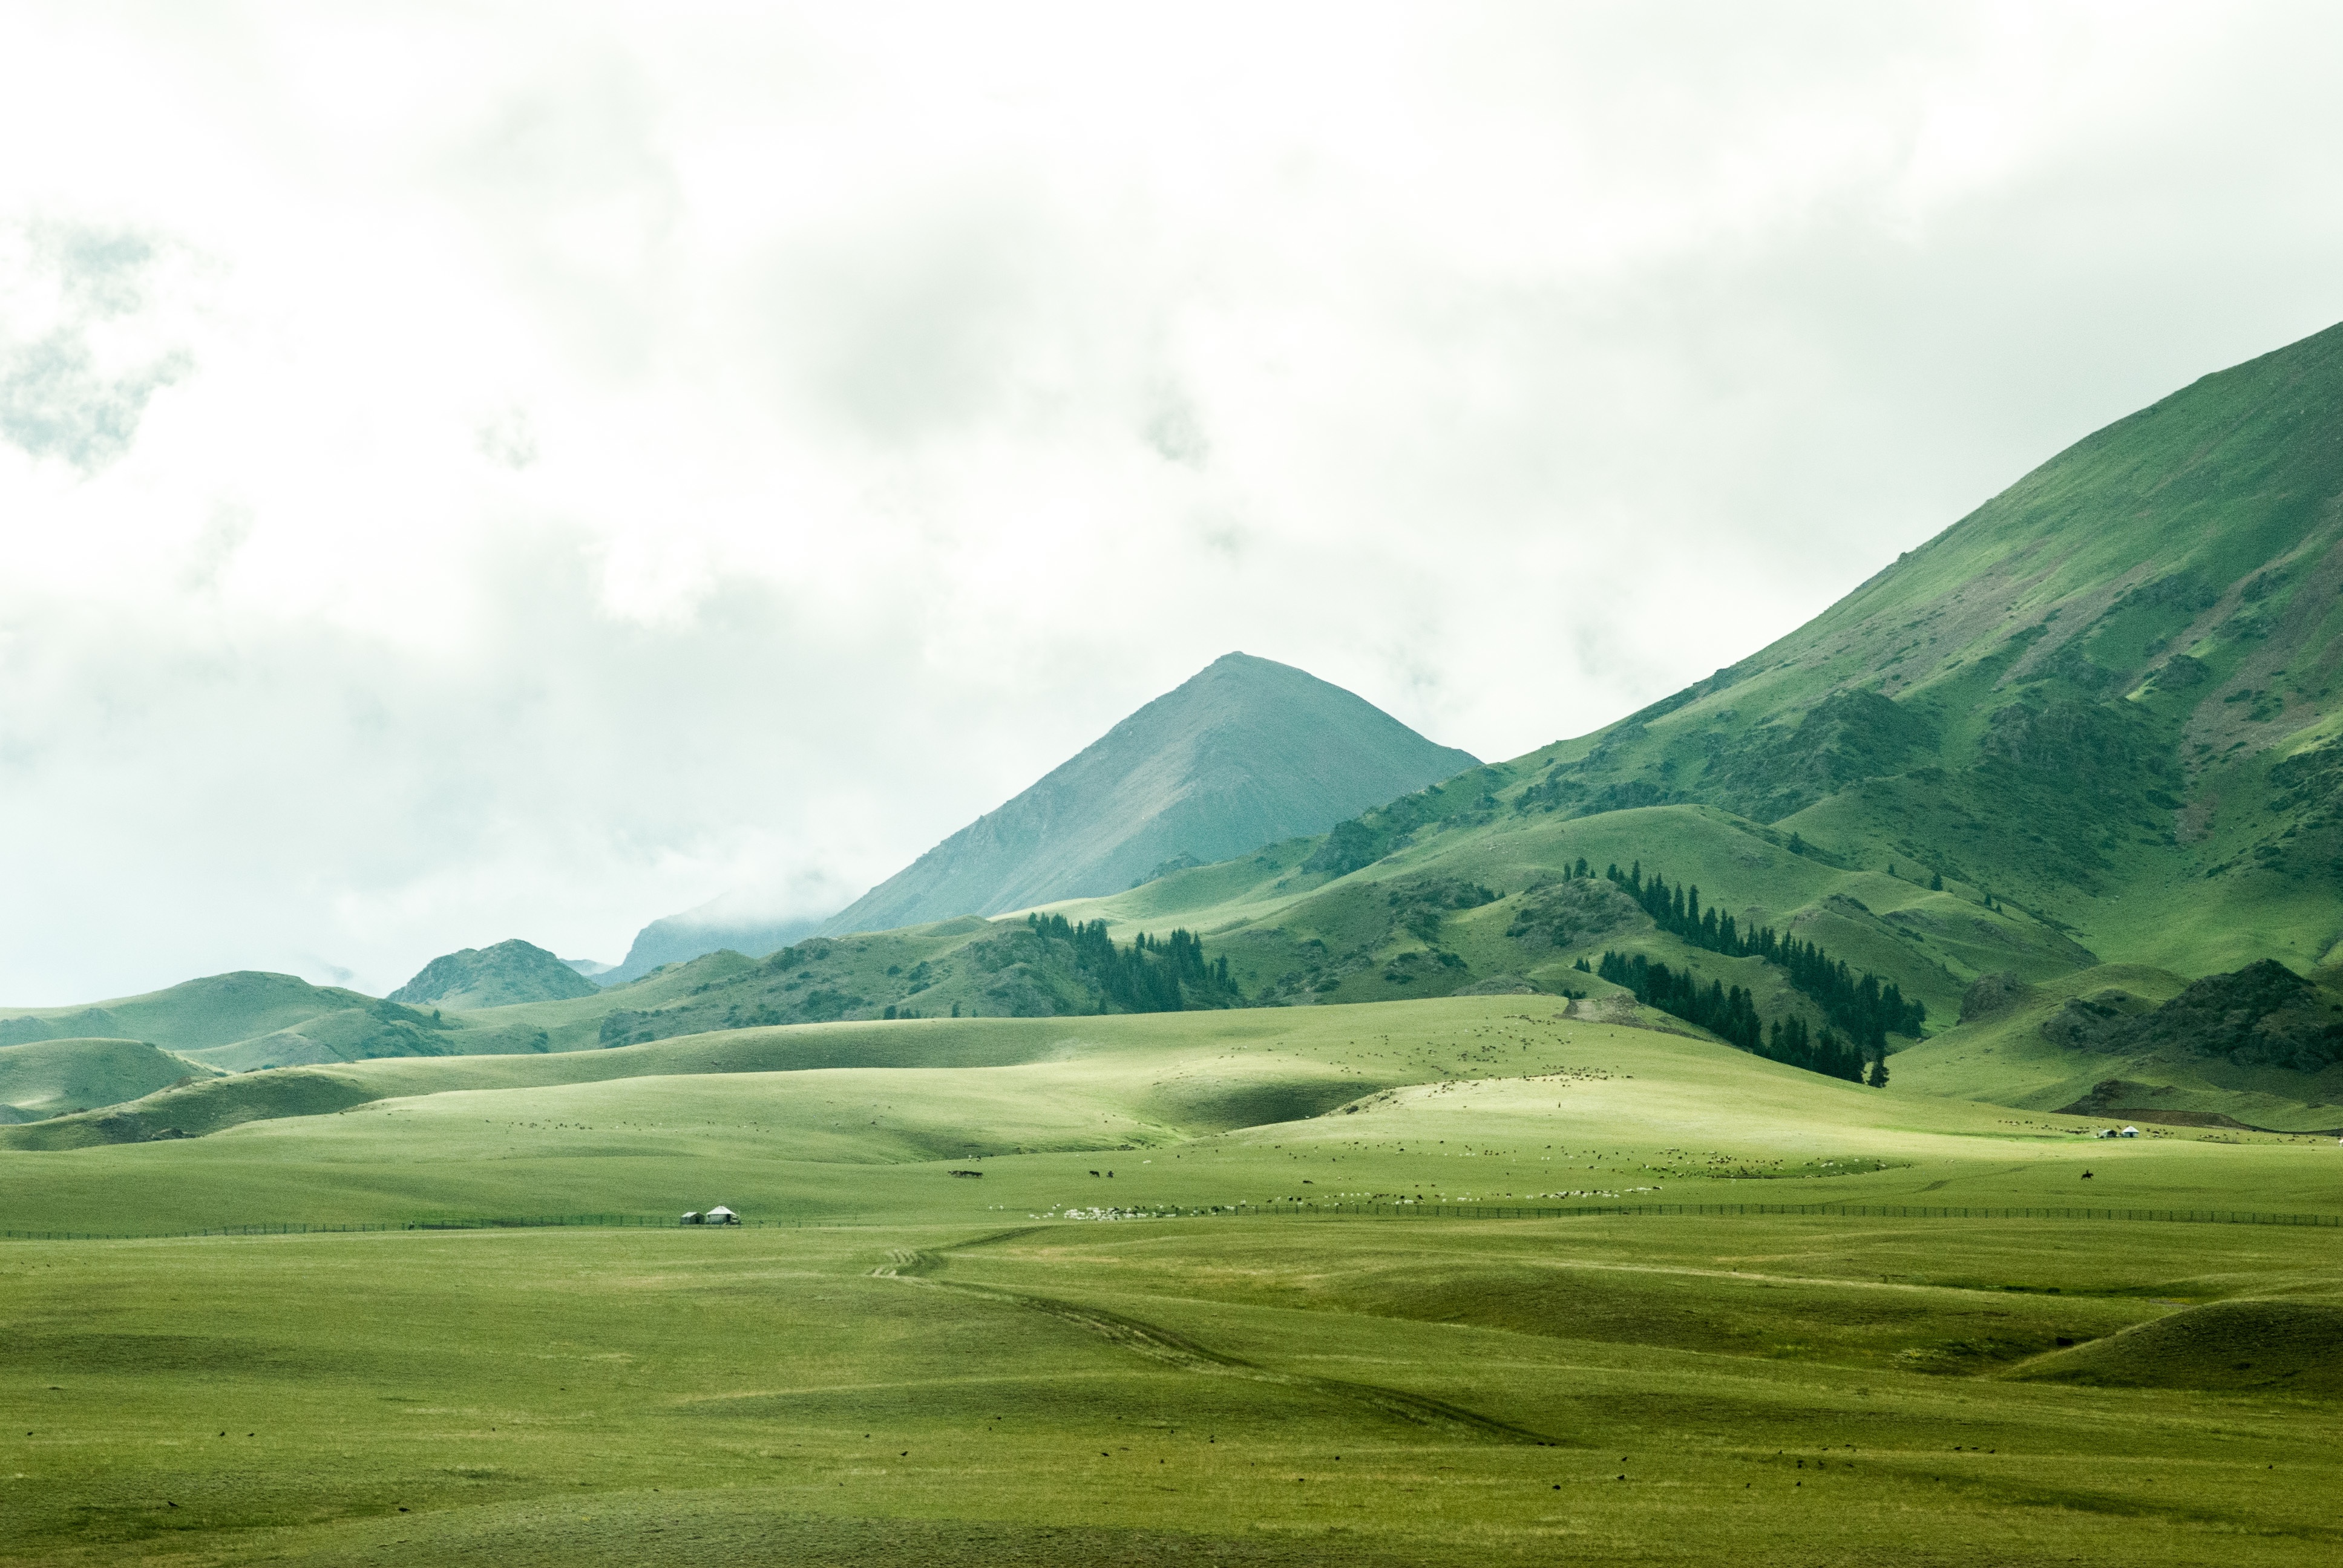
(931, 1369)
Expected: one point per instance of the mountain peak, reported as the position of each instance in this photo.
(510, 971)
(1245, 752)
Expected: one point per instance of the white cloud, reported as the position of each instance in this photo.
(480, 472)
(79, 359)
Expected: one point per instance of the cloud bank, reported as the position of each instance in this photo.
(470, 473)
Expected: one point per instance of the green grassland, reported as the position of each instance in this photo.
(773, 1118)
(2006, 1058)
(908, 1366)
(1776, 1391)
(46, 1078)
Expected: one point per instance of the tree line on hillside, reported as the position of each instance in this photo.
(1153, 974)
(1861, 1005)
(1731, 1014)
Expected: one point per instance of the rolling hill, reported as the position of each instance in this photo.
(246, 1020)
(50, 1078)
(1383, 1285)
(1406, 1099)
(511, 971)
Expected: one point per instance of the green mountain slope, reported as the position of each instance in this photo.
(1481, 895)
(510, 971)
(2092, 723)
(1248, 752)
(2106, 695)
(234, 1022)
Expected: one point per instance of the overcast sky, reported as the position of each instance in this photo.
(470, 472)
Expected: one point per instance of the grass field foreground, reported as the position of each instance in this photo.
(909, 1366)
(1776, 1390)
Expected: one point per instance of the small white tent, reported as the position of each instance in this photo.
(720, 1215)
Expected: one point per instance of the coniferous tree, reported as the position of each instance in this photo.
(1727, 1013)
(1168, 974)
(1866, 1009)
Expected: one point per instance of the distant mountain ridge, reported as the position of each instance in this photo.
(712, 927)
(248, 1018)
(1245, 753)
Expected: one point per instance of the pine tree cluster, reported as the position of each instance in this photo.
(1731, 1015)
(1865, 1010)
(1168, 974)
(1728, 1014)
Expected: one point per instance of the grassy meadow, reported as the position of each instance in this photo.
(907, 1366)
